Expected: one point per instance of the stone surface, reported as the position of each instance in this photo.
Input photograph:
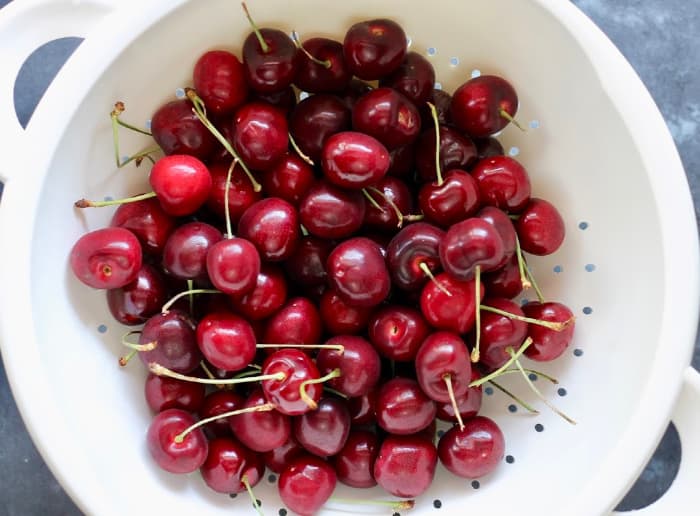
(660, 38)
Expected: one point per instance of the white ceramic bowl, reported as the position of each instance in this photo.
(601, 153)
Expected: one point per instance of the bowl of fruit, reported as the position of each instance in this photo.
(378, 258)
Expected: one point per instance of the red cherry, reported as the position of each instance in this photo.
(540, 228)
(488, 147)
(269, 67)
(443, 355)
(177, 130)
(331, 212)
(354, 462)
(173, 456)
(468, 405)
(332, 76)
(411, 251)
(181, 183)
(227, 463)
(315, 119)
(226, 340)
(272, 226)
(470, 244)
(405, 465)
(397, 332)
(456, 199)
(503, 224)
(260, 135)
(285, 394)
(306, 484)
(506, 281)
(456, 313)
(135, 302)
(395, 201)
(278, 459)
(106, 258)
(268, 295)
(147, 220)
(483, 105)
(403, 408)
(174, 341)
(362, 409)
(297, 322)
(241, 193)
(388, 116)
(441, 100)
(339, 317)
(260, 431)
(499, 332)
(185, 255)
(374, 48)
(359, 365)
(472, 451)
(216, 403)
(323, 431)
(290, 179)
(456, 152)
(354, 160)
(306, 266)
(415, 78)
(164, 393)
(503, 183)
(233, 265)
(219, 81)
(548, 344)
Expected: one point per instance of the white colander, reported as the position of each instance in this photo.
(597, 147)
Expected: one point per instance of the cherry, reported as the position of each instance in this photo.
(488, 147)
(272, 225)
(503, 224)
(468, 405)
(354, 462)
(135, 302)
(548, 344)
(227, 463)
(506, 281)
(354, 160)
(294, 394)
(397, 332)
(413, 255)
(284, 100)
(268, 295)
(470, 244)
(357, 271)
(472, 451)
(394, 200)
(315, 119)
(241, 193)
(455, 199)
(177, 130)
(219, 80)
(354, 91)
(147, 220)
(306, 484)
(216, 403)
(185, 255)
(169, 452)
(540, 228)
(499, 332)
(455, 312)
(403, 408)
(339, 317)
(374, 48)
(402, 161)
(226, 340)
(388, 116)
(174, 342)
(323, 431)
(106, 258)
(306, 266)
(358, 362)
(503, 183)
(297, 322)
(441, 100)
(164, 393)
(456, 152)
(483, 105)
(181, 183)
(414, 78)
(362, 408)
(405, 465)
(326, 72)
(443, 367)
(233, 265)
(260, 431)
(290, 179)
(260, 135)
(278, 459)
(330, 212)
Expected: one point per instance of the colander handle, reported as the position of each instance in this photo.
(686, 417)
(25, 25)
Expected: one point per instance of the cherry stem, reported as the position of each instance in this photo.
(125, 359)
(450, 391)
(227, 209)
(424, 267)
(512, 120)
(337, 347)
(333, 391)
(206, 369)
(190, 292)
(524, 281)
(190, 286)
(498, 372)
(438, 170)
(84, 203)
(335, 373)
(536, 391)
(391, 203)
(299, 151)
(245, 374)
(532, 281)
(244, 481)
(149, 346)
(325, 63)
(200, 110)
(371, 199)
(263, 44)
(116, 122)
(164, 371)
(552, 325)
(145, 153)
(396, 505)
(257, 408)
(477, 321)
(520, 402)
(304, 231)
(534, 371)
(117, 111)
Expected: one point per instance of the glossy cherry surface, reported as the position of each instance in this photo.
(355, 461)
(402, 408)
(290, 179)
(504, 225)
(241, 193)
(414, 78)
(405, 465)
(499, 332)
(226, 340)
(443, 354)
(306, 484)
(540, 228)
(397, 332)
(185, 253)
(315, 119)
(147, 221)
(228, 461)
(455, 312)
(456, 152)
(331, 212)
(219, 79)
(138, 300)
(184, 457)
(395, 202)
(414, 247)
(456, 199)
(548, 344)
(330, 75)
(325, 430)
(374, 48)
(470, 244)
(272, 226)
(354, 160)
(173, 335)
(297, 368)
(388, 116)
(278, 459)
(359, 365)
(339, 317)
(474, 451)
(106, 258)
(216, 403)
(468, 405)
(297, 322)
(260, 431)
(177, 130)
(503, 183)
(260, 135)
(181, 183)
(268, 295)
(307, 264)
(482, 105)
(164, 393)
(269, 69)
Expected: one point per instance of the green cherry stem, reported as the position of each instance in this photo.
(371, 199)
(164, 371)
(149, 346)
(524, 280)
(263, 44)
(84, 203)
(145, 153)
(325, 63)
(531, 278)
(249, 489)
(337, 347)
(189, 292)
(299, 151)
(498, 372)
(512, 120)
(520, 402)
(227, 188)
(424, 267)
(125, 359)
(534, 371)
(398, 505)
(257, 408)
(451, 393)
(552, 325)
(335, 373)
(477, 323)
(436, 121)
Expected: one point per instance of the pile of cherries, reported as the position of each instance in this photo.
(321, 280)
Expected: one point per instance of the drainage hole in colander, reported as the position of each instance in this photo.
(271, 479)
(533, 377)
(534, 124)
(590, 267)
(233, 495)
(408, 40)
(108, 198)
(558, 269)
(488, 391)
(513, 151)
(102, 328)
(147, 124)
(561, 391)
(431, 51)
(454, 61)
(539, 428)
(440, 433)
(282, 512)
(578, 352)
(303, 95)
(583, 225)
(476, 484)
(180, 93)
(512, 408)
(475, 73)
(438, 86)
(587, 310)
(510, 459)
(437, 504)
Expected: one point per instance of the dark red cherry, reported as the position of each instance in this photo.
(147, 221)
(226, 340)
(358, 272)
(354, 160)
(278, 459)
(332, 76)
(181, 184)
(411, 251)
(394, 203)
(397, 332)
(403, 161)
(470, 244)
(269, 67)
(323, 431)
(405, 465)
(468, 405)
(220, 82)
(106, 258)
(472, 451)
(540, 228)
(272, 225)
(233, 265)
(441, 100)
(315, 119)
(290, 179)
(306, 484)
(137, 301)
(228, 462)
(488, 147)
(261, 431)
(164, 393)
(548, 344)
(286, 394)
(284, 100)
(456, 199)
(216, 403)
(297, 322)
(403, 408)
(359, 365)
(241, 193)
(307, 264)
(506, 281)
(455, 312)
(503, 183)
(443, 355)
(362, 408)
(499, 332)
(354, 462)
(173, 335)
(456, 152)
(260, 135)
(414, 78)
(483, 105)
(354, 91)
(185, 253)
(374, 48)
(177, 130)
(340, 318)
(504, 225)
(331, 212)
(268, 295)
(172, 456)
(388, 116)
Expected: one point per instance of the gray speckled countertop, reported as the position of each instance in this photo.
(661, 38)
